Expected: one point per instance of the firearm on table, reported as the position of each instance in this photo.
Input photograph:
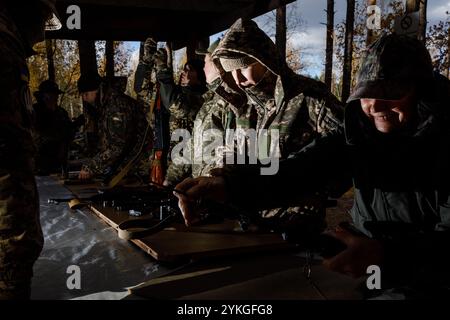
(119, 199)
(305, 228)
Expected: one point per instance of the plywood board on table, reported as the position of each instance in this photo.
(178, 242)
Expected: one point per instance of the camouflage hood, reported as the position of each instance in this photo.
(244, 37)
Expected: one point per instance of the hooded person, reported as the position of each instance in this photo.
(395, 151)
(280, 103)
(213, 119)
(299, 108)
(22, 25)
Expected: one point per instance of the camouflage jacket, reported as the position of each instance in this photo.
(295, 108)
(121, 127)
(299, 108)
(209, 127)
(182, 102)
(16, 144)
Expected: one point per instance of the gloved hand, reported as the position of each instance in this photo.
(150, 46)
(160, 58)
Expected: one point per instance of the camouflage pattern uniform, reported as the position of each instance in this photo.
(299, 107)
(21, 237)
(122, 124)
(209, 125)
(182, 102)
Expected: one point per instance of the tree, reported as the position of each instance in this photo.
(280, 36)
(437, 42)
(67, 71)
(421, 7)
(348, 50)
(393, 9)
(50, 49)
(294, 25)
(370, 32)
(329, 45)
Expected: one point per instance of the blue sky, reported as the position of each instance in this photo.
(310, 38)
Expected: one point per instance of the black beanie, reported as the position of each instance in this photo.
(89, 82)
(198, 65)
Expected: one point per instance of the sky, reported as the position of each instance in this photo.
(311, 36)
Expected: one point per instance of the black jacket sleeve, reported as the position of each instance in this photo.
(169, 91)
(322, 166)
(420, 259)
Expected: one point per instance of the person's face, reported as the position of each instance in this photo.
(189, 77)
(210, 69)
(389, 115)
(89, 97)
(50, 100)
(249, 76)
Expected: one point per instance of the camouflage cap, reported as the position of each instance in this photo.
(391, 67)
(210, 50)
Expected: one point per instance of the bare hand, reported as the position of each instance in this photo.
(84, 175)
(195, 190)
(361, 252)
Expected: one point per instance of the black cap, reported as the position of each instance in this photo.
(197, 65)
(391, 67)
(49, 86)
(89, 81)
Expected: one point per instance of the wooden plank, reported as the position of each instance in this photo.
(182, 20)
(179, 242)
(175, 5)
(281, 277)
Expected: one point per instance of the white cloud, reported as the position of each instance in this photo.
(312, 39)
(311, 44)
(437, 13)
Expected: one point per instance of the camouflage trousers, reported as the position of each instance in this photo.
(21, 239)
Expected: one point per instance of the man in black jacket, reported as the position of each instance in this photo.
(396, 152)
(53, 130)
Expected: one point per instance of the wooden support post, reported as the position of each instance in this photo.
(109, 55)
(190, 50)
(50, 50)
(88, 57)
(422, 20)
